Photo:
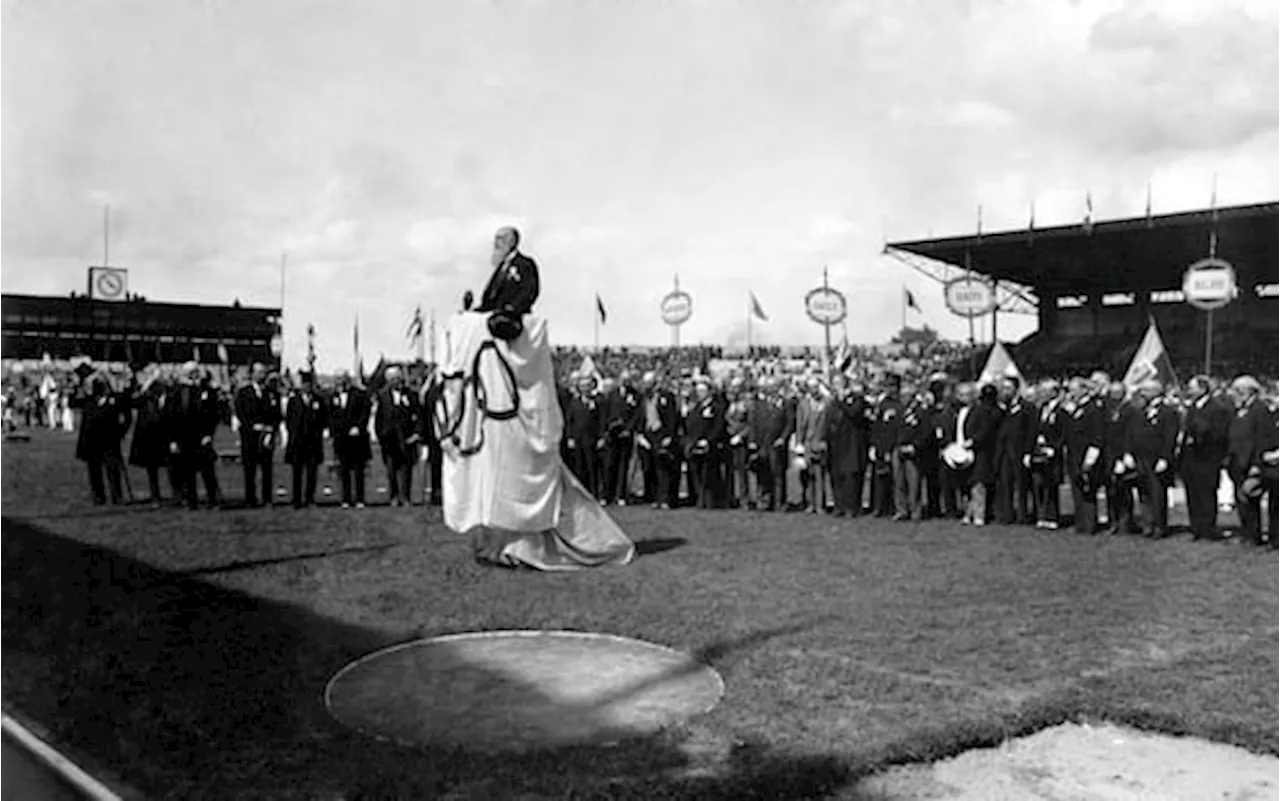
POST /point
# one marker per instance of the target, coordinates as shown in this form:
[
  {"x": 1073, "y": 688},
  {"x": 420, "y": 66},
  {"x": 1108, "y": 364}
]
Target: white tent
[{"x": 999, "y": 365}]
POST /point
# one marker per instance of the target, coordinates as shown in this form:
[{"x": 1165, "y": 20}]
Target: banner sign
[
  {"x": 825, "y": 306},
  {"x": 1209, "y": 284},
  {"x": 108, "y": 283},
  {"x": 677, "y": 307},
  {"x": 967, "y": 296}
]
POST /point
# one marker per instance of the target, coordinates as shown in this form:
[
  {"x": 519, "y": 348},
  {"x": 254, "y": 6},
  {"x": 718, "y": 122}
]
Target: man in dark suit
[
  {"x": 105, "y": 417},
  {"x": 768, "y": 419},
  {"x": 198, "y": 410},
  {"x": 1121, "y": 476},
  {"x": 1251, "y": 457},
  {"x": 258, "y": 412},
  {"x": 1012, "y": 443},
  {"x": 1044, "y": 459},
  {"x": 847, "y": 441},
  {"x": 582, "y": 433},
  {"x": 1082, "y": 431},
  {"x": 1152, "y": 437},
  {"x": 396, "y": 424},
  {"x": 513, "y": 287},
  {"x": 349, "y": 411},
  {"x": 704, "y": 436},
  {"x": 656, "y": 442},
  {"x": 885, "y": 424},
  {"x": 618, "y": 407},
  {"x": 430, "y": 395},
  {"x": 306, "y": 416},
  {"x": 1204, "y": 448}
]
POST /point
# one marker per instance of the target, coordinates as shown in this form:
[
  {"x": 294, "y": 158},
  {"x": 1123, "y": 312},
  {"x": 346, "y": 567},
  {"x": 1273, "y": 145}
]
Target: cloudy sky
[{"x": 742, "y": 144}]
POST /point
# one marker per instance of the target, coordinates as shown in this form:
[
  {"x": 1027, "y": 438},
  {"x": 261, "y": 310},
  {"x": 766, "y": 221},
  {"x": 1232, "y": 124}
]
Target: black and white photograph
[{"x": 871, "y": 400}]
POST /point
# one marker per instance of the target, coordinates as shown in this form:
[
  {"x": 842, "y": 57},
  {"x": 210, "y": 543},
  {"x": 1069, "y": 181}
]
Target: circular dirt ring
[{"x": 520, "y": 690}]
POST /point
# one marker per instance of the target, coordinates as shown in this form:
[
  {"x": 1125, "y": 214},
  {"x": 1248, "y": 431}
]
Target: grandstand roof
[{"x": 1117, "y": 255}]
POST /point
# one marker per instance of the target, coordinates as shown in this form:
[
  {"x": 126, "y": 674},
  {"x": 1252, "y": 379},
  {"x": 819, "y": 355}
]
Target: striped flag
[
  {"x": 604, "y": 316},
  {"x": 757, "y": 310},
  {"x": 414, "y": 332}
]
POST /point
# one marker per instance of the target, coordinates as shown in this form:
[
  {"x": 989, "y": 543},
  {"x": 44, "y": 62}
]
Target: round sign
[
  {"x": 277, "y": 345},
  {"x": 1209, "y": 284},
  {"x": 969, "y": 297},
  {"x": 677, "y": 307},
  {"x": 109, "y": 284},
  {"x": 825, "y": 306}
]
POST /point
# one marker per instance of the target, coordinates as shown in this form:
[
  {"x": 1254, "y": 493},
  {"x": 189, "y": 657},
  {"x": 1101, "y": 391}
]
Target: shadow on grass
[
  {"x": 183, "y": 689},
  {"x": 659, "y": 545}
]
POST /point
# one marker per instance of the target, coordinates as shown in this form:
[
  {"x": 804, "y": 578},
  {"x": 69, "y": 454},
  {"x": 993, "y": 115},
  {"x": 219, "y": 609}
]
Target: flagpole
[
  {"x": 595, "y": 316},
  {"x": 826, "y": 327},
  {"x": 749, "y": 316},
  {"x": 284, "y": 258},
  {"x": 903, "y": 301}
]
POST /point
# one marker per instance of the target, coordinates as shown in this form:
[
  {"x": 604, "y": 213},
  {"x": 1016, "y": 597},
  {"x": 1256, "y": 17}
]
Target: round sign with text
[
  {"x": 109, "y": 284},
  {"x": 969, "y": 297},
  {"x": 825, "y": 306},
  {"x": 1210, "y": 284},
  {"x": 677, "y": 307}
]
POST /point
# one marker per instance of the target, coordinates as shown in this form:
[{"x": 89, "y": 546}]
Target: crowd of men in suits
[
  {"x": 174, "y": 421},
  {"x": 998, "y": 453}
]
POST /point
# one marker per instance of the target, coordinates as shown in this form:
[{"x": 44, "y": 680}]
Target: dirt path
[{"x": 1082, "y": 762}]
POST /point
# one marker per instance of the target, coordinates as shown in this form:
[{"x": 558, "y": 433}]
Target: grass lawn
[{"x": 185, "y": 654}]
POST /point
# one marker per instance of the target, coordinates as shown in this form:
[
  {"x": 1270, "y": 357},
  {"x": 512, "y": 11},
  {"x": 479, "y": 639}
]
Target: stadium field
[{"x": 182, "y": 654}]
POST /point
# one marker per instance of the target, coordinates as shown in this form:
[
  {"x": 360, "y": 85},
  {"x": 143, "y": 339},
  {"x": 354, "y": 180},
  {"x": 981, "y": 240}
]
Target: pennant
[
  {"x": 1088, "y": 211},
  {"x": 414, "y": 332},
  {"x": 1149, "y": 220},
  {"x": 911, "y": 300},
  {"x": 1151, "y": 361},
  {"x": 757, "y": 310},
  {"x": 1031, "y": 223},
  {"x": 999, "y": 365},
  {"x": 604, "y": 317}
]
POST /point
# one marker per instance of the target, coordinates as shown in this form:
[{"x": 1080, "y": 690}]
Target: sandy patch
[{"x": 1075, "y": 761}]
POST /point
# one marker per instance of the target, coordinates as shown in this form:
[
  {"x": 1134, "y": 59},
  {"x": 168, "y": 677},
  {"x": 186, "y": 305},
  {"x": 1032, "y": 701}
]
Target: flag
[
  {"x": 999, "y": 365},
  {"x": 414, "y": 332},
  {"x": 844, "y": 356},
  {"x": 757, "y": 310},
  {"x": 979, "y": 220},
  {"x": 911, "y": 300},
  {"x": 376, "y": 379},
  {"x": 1149, "y": 222},
  {"x": 1151, "y": 361},
  {"x": 604, "y": 317},
  {"x": 1031, "y": 223},
  {"x": 1088, "y": 211}
]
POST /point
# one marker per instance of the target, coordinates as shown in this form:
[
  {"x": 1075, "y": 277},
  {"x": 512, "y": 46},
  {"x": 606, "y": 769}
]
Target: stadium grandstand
[
  {"x": 133, "y": 330},
  {"x": 1095, "y": 286}
]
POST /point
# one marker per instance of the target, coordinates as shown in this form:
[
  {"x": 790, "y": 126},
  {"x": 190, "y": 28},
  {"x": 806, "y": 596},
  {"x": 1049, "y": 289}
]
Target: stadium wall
[{"x": 32, "y": 326}]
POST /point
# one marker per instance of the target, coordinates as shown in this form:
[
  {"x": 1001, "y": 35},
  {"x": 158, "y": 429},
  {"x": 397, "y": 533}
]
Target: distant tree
[{"x": 922, "y": 336}]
